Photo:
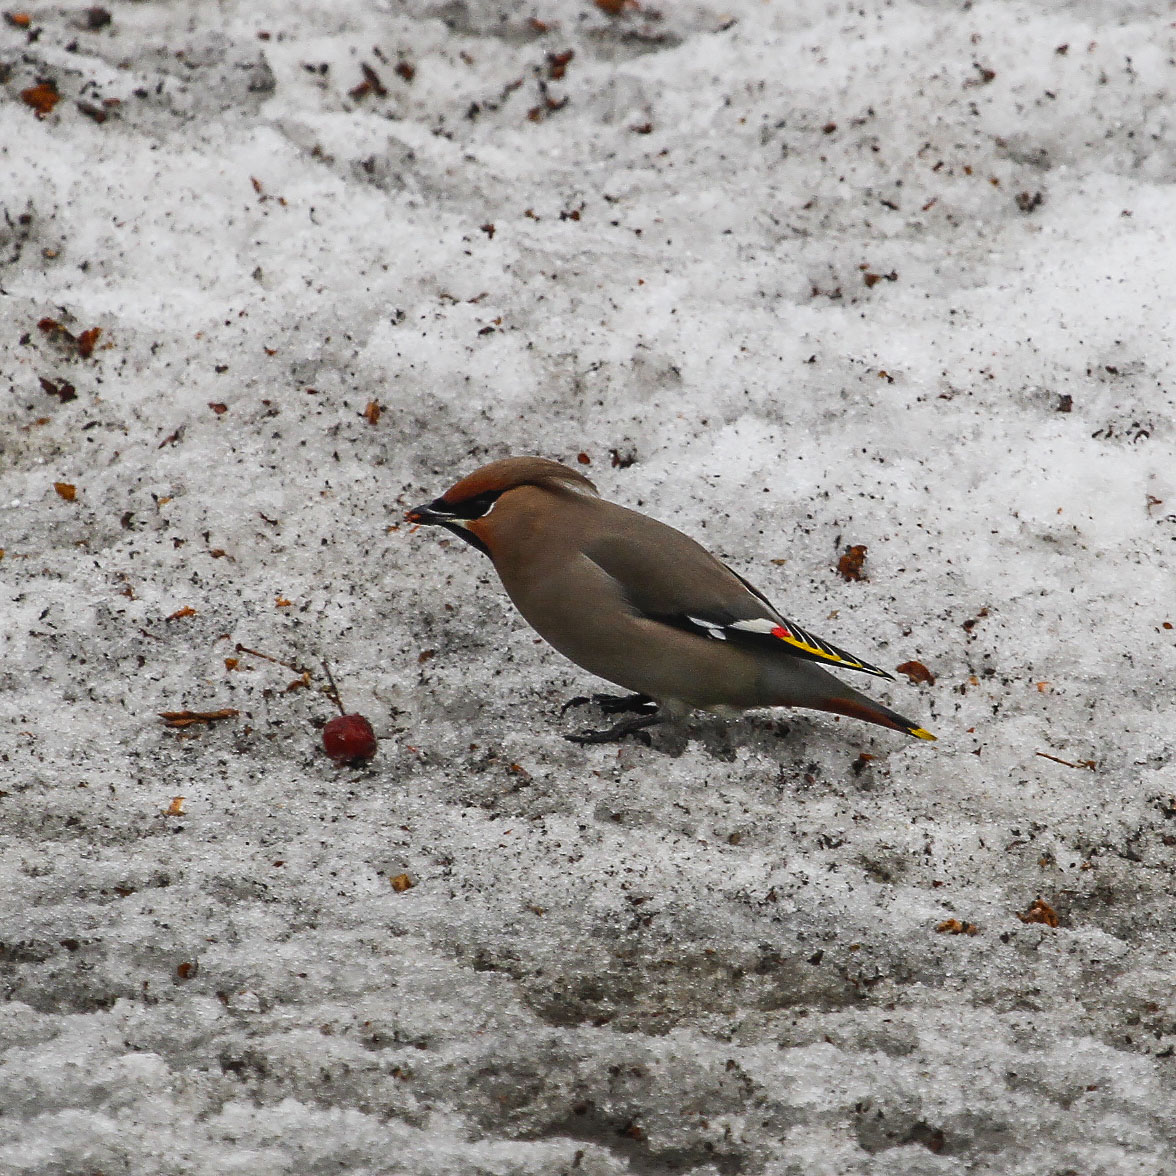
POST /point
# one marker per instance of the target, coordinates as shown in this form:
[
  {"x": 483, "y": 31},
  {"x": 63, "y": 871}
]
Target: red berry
[{"x": 349, "y": 738}]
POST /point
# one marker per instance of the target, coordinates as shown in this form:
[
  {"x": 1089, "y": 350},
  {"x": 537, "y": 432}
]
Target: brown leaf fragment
[
  {"x": 218, "y": 407},
  {"x": 18, "y": 20},
  {"x": 850, "y": 565},
  {"x": 614, "y": 7},
  {"x": 557, "y": 64},
  {"x": 97, "y": 113},
  {"x": 373, "y": 79},
  {"x": 1065, "y": 403},
  {"x": 401, "y": 883},
  {"x": 405, "y": 70},
  {"x": 180, "y": 613},
  {"x": 972, "y": 622},
  {"x": 371, "y": 413},
  {"x": 916, "y": 673},
  {"x": 42, "y": 97},
  {"x": 66, "y": 490},
  {"x": 86, "y": 341},
  {"x": 95, "y": 18},
  {"x": 488, "y": 229},
  {"x": 176, "y": 808},
  {"x": 185, "y": 718},
  {"x": 186, "y": 970},
  {"x": 1039, "y": 912},
  {"x": 371, "y": 83},
  {"x": 63, "y": 390},
  {"x": 955, "y": 927},
  {"x": 50, "y": 326}
]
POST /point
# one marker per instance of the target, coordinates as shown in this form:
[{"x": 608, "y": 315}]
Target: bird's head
[{"x": 466, "y": 506}]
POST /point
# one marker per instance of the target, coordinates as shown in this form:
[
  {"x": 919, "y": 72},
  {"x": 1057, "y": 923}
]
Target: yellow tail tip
[{"x": 920, "y": 733}]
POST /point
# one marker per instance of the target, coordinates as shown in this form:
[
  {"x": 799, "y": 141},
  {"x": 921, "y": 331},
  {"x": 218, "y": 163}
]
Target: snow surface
[{"x": 816, "y": 274}]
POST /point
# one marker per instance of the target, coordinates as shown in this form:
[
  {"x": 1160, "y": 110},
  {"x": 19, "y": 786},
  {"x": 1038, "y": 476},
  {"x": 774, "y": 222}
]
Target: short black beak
[
  {"x": 439, "y": 513},
  {"x": 426, "y": 515}
]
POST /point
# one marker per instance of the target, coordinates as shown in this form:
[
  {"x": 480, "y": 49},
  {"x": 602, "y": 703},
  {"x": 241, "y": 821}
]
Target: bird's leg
[
  {"x": 634, "y": 726},
  {"x": 613, "y": 704}
]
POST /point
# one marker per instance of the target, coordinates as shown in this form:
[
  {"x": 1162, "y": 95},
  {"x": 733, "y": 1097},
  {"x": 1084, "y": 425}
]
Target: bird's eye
[{"x": 474, "y": 508}]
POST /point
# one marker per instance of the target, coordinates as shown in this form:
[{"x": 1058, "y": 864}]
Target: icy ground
[{"x": 791, "y": 276}]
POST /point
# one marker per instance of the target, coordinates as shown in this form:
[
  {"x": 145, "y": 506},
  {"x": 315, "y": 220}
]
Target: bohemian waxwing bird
[{"x": 640, "y": 604}]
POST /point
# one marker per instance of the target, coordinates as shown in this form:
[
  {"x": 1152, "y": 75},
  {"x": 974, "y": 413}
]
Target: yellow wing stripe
[
  {"x": 824, "y": 652},
  {"x": 804, "y": 643}
]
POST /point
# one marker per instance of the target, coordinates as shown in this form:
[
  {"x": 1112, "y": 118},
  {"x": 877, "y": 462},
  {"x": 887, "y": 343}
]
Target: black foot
[
  {"x": 613, "y": 704},
  {"x": 635, "y": 726}
]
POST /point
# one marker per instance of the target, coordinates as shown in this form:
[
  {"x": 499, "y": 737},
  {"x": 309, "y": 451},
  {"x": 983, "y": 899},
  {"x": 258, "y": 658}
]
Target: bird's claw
[
  {"x": 613, "y": 704},
  {"x": 635, "y": 727},
  {"x": 579, "y": 700}
]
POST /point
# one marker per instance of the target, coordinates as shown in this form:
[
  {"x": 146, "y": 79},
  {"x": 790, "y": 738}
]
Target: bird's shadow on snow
[{"x": 789, "y": 736}]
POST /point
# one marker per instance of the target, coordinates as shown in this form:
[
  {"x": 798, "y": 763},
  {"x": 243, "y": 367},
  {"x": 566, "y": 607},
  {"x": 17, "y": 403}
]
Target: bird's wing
[
  {"x": 679, "y": 583},
  {"x": 776, "y": 634}
]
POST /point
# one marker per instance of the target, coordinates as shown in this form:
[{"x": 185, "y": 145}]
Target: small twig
[
  {"x": 276, "y": 660},
  {"x": 1088, "y": 765},
  {"x": 186, "y": 718},
  {"x": 333, "y": 693}
]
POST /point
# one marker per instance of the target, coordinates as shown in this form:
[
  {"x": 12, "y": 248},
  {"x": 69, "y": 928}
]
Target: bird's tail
[
  {"x": 860, "y": 707},
  {"x": 791, "y": 682}
]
